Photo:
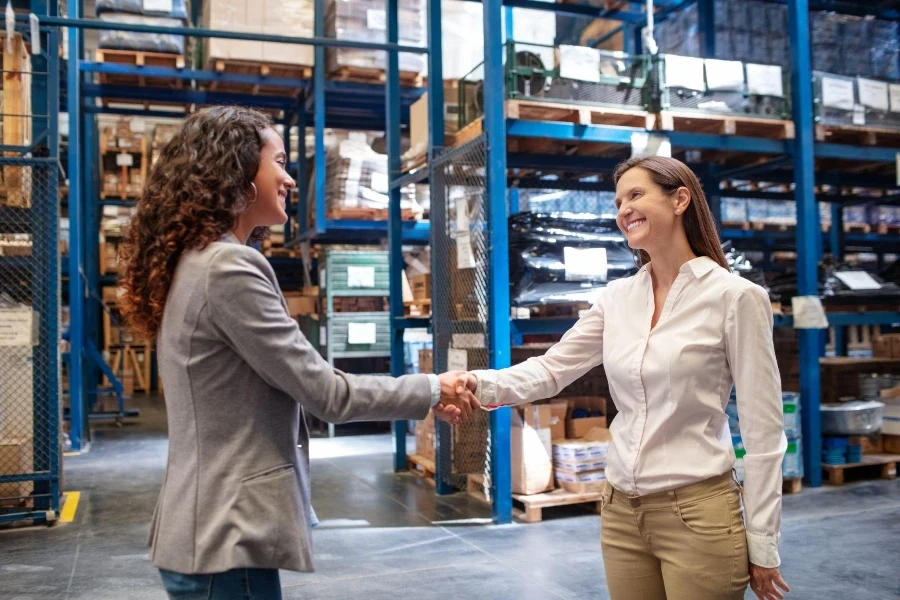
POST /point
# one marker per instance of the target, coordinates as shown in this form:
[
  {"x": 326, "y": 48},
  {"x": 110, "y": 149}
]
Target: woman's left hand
[{"x": 765, "y": 583}]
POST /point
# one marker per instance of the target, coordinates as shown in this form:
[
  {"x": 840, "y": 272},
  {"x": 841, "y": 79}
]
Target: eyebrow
[{"x": 618, "y": 199}]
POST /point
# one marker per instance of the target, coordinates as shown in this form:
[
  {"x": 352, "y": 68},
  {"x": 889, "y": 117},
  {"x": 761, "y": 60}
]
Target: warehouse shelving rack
[
  {"x": 799, "y": 153},
  {"x": 315, "y": 103}
]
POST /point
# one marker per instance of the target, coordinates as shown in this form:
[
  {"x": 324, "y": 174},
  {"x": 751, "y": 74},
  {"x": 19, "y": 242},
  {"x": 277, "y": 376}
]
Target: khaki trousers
[{"x": 685, "y": 544}]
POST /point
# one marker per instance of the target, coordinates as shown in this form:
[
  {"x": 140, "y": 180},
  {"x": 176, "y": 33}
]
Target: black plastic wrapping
[
  {"x": 137, "y": 7},
  {"x": 741, "y": 265},
  {"x": 141, "y": 42},
  {"x": 835, "y": 292},
  {"x": 537, "y": 245}
]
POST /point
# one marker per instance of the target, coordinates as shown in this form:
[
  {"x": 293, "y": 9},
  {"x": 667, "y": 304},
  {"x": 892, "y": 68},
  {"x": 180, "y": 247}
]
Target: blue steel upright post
[
  {"x": 319, "y": 117},
  {"x": 498, "y": 252},
  {"x": 395, "y": 233},
  {"x": 76, "y": 285},
  {"x": 809, "y": 234}
]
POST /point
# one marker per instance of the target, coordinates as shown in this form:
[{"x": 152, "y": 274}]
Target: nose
[{"x": 290, "y": 183}]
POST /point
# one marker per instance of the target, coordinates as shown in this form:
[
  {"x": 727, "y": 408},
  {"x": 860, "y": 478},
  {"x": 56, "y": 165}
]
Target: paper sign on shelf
[
  {"x": 124, "y": 160},
  {"x": 894, "y": 94},
  {"x": 685, "y": 72},
  {"x": 580, "y": 63},
  {"x": 873, "y": 94},
  {"x": 361, "y": 333},
  {"x": 724, "y": 75},
  {"x": 647, "y": 144},
  {"x": 838, "y": 93},
  {"x": 859, "y": 115},
  {"x": 16, "y": 327},
  {"x": 765, "y": 80},
  {"x": 858, "y": 280},
  {"x": 457, "y": 360},
  {"x": 465, "y": 258},
  {"x": 361, "y": 277},
  {"x": 585, "y": 264},
  {"x": 808, "y": 313},
  {"x": 376, "y": 19}
]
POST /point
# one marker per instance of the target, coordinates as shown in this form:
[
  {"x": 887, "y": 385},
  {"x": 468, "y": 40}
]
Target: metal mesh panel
[
  {"x": 460, "y": 263},
  {"x": 29, "y": 333}
]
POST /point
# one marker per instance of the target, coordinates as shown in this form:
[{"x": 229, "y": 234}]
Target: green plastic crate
[
  {"x": 340, "y": 326},
  {"x": 355, "y": 273}
]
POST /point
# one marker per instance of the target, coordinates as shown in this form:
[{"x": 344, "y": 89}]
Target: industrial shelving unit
[{"x": 790, "y": 160}]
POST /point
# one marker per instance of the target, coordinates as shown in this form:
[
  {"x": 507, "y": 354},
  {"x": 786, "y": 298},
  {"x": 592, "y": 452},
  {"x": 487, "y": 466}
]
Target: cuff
[
  {"x": 435, "y": 389},
  {"x": 763, "y": 550}
]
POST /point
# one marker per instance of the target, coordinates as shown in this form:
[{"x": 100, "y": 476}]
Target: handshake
[{"x": 458, "y": 400}]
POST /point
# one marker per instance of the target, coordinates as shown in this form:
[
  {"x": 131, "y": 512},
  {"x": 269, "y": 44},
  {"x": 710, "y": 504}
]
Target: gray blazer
[{"x": 238, "y": 375}]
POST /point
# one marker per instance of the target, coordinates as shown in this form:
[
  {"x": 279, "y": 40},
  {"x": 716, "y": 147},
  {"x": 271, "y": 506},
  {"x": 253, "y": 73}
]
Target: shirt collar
[
  {"x": 230, "y": 238},
  {"x": 699, "y": 266}
]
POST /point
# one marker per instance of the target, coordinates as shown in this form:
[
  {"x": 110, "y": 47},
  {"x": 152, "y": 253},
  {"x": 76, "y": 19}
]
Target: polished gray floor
[{"x": 388, "y": 536}]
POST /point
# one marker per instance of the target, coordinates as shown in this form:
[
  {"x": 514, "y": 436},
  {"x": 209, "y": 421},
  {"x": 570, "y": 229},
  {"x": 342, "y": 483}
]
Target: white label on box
[
  {"x": 379, "y": 182},
  {"x": 838, "y": 93},
  {"x": 858, "y": 280},
  {"x": 16, "y": 327},
  {"x": 376, "y": 19},
  {"x": 361, "y": 333},
  {"x": 457, "y": 360},
  {"x": 580, "y": 63},
  {"x": 124, "y": 160},
  {"x": 724, "y": 75},
  {"x": 158, "y": 6},
  {"x": 685, "y": 72},
  {"x": 585, "y": 264},
  {"x": 646, "y": 144},
  {"x": 465, "y": 258},
  {"x": 894, "y": 93},
  {"x": 859, "y": 114},
  {"x": 765, "y": 80},
  {"x": 361, "y": 277},
  {"x": 873, "y": 94},
  {"x": 808, "y": 313}
]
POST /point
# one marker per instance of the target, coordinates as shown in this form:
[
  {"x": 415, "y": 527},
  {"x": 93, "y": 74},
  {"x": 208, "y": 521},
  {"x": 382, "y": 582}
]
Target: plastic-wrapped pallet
[
  {"x": 142, "y": 42},
  {"x": 172, "y": 9},
  {"x": 357, "y": 178},
  {"x": 365, "y": 21}
]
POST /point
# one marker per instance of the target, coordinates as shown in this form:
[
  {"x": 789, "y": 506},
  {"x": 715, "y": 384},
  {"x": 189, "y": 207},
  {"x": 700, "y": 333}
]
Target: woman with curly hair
[{"x": 235, "y": 504}]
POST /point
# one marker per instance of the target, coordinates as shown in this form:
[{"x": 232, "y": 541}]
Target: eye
[{"x": 635, "y": 194}]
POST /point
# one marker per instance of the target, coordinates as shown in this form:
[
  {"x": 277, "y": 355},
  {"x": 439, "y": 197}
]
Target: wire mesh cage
[
  {"x": 561, "y": 74},
  {"x": 29, "y": 333},
  {"x": 719, "y": 87},
  {"x": 460, "y": 312}
]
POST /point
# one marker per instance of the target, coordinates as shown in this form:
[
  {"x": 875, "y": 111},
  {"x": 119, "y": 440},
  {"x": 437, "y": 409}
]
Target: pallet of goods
[
  {"x": 15, "y": 186},
  {"x": 124, "y": 160},
  {"x": 262, "y": 59},
  {"x": 365, "y": 21}
]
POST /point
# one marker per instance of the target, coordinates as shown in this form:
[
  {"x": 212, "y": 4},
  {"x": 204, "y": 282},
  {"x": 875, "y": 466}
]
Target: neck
[
  {"x": 667, "y": 264},
  {"x": 242, "y": 231}
]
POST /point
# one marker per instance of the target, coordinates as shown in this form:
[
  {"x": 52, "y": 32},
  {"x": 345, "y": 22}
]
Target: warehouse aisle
[{"x": 386, "y": 536}]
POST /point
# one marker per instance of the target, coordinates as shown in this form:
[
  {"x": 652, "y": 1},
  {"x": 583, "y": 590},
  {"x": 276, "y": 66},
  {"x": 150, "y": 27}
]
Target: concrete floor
[{"x": 388, "y": 536}]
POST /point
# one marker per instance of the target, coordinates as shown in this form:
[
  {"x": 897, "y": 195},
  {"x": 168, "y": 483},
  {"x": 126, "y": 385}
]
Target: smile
[{"x": 635, "y": 224}]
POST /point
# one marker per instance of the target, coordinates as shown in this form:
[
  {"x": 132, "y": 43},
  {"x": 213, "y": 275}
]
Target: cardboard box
[
  {"x": 16, "y": 458},
  {"x": 426, "y": 361},
  {"x": 425, "y": 437},
  {"x": 558, "y": 411},
  {"x": 299, "y": 305},
  {"x": 595, "y": 407},
  {"x": 882, "y": 347},
  {"x": 16, "y": 392},
  {"x": 581, "y": 483},
  {"x": 421, "y": 286},
  {"x": 891, "y": 444},
  {"x": 578, "y": 428}
]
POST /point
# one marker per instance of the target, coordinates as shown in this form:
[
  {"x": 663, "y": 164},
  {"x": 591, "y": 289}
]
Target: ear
[{"x": 682, "y": 200}]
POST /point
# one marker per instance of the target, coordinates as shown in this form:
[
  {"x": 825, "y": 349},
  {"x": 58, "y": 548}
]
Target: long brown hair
[
  {"x": 193, "y": 196},
  {"x": 671, "y": 174}
]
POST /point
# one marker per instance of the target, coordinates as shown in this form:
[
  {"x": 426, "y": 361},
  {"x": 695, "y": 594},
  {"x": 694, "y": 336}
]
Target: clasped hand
[{"x": 458, "y": 401}]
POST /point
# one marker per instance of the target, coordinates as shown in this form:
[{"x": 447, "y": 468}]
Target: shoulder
[
  {"x": 224, "y": 260},
  {"x": 739, "y": 293}
]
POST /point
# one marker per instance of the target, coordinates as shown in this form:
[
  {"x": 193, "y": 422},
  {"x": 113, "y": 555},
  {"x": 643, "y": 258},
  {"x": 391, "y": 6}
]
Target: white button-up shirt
[{"x": 671, "y": 384}]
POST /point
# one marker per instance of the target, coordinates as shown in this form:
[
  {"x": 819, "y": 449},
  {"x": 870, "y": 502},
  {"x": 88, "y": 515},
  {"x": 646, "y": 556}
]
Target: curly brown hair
[{"x": 193, "y": 196}]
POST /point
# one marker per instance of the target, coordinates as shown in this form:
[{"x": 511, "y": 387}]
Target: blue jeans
[{"x": 236, "y": 584}]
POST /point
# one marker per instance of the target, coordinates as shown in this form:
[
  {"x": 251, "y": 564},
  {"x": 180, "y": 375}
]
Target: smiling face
[
  {"x": 648, "y": 216},
  {"x": 272, "y": 182}
]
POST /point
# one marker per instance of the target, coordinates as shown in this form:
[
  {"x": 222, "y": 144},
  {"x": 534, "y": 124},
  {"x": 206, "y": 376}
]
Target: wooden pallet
[
  {"x": 698, "y": 122},
  {"x": 857, "y": 228},
  {"x": 367, "y": 214},
  {"x": 414, "y": 163},
  {"x": 793, "y": 485},
  {"x": 858, "y": 135},
  {"x": 887, "y": 229},
  {"x": 417, "y": 308},
  {"x": 260, "y": 69},
  {"x": 140, "y": 59},
  {"x": 373, "y": 75},
  {"x": 886, "y": 464},
  {"x": 536, "y": 503},
  {"x": 421, "y": 466}
]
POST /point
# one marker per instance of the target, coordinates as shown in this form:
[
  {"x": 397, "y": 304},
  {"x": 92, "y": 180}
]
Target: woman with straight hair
[
  {"x": 235, "y": 504},
  {"x": 674, "y": 339}
]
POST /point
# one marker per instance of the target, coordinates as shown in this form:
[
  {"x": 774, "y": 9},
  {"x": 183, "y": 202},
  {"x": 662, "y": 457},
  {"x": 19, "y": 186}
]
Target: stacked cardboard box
[
  {"x": 16, "y": 188},
  {"x": 886, "y": 346},
  {"x": 259, "y": 16},
  {"x": 16, "y": 416},
  {"x": 425, "y": 437},
  {"x": 580, "y": 464}
]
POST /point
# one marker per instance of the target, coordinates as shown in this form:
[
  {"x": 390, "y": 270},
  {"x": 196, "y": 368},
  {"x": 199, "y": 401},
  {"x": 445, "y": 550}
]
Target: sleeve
[
  {"x": 751, "y": 357},
  {"x": 580, "y": 350},
  {"x": 435, "y": 389},
  {"x": 245, "y": 307}
]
